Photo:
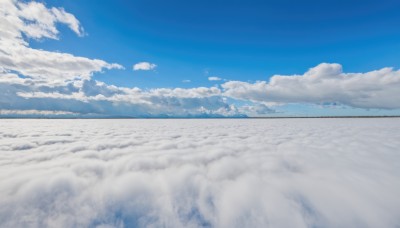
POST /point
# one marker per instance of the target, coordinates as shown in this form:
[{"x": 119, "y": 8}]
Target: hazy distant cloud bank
[
  {"x": 214, "y": 78},
  {"x": 200, "y": 173},
  {"x": 43, "y": 83}
]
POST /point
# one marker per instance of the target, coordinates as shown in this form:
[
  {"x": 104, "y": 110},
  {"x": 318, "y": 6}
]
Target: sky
[{"x": 199, "y": 58}]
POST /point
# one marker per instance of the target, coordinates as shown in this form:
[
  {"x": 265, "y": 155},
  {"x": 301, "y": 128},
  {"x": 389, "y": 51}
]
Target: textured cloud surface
[{"x": 200, "y": 173}]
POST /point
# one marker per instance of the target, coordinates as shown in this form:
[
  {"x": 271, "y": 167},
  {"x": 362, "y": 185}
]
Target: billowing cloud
[
  {"x": 325, "y": 83},
  {"x": 35, "y": 20},
  {"x": 200, "y": 173},
  {"x": 144, "y": 66},
  {"x": 214, "y": 78}
]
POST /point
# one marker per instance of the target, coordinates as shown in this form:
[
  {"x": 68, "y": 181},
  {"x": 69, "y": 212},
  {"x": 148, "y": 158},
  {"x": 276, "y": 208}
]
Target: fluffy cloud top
[
  {"x": 144, "y": 66},
  {"x": 200, "y": 173},
  {"x": 325, "y": 83}
]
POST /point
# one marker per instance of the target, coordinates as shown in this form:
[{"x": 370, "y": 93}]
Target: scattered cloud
[
  {"x": 144, "y": 66},
  {"x": 199, "y": 173},
  {"x": 186, "y": 81},
  {"x": 214, "y": 78}
]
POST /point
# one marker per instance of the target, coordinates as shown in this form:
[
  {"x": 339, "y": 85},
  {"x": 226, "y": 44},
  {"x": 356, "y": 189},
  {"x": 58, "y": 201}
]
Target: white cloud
[
  {"x": 186, "y": 81},
  {"x": 214, "y": 79},
  {"x": 144, "y": 66},
  {"x": 35, "y": 20},
  {"x": 325, "y": 83},
  {"x": 44, "y": 20},
  {"x": 196, "y": 173}
]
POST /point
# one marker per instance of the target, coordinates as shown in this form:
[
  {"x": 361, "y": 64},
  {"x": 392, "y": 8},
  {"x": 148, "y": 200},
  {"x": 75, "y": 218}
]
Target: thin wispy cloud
[{"x": 214, "y": 78}]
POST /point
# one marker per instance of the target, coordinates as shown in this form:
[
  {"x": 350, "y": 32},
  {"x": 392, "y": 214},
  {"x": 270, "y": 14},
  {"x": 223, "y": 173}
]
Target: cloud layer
[{"x": 200, "y": 173}]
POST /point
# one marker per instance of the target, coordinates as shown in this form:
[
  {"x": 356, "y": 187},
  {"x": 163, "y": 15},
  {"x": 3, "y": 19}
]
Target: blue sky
[
  {"x": 246, "y": 41},
  {"x": 238, "y": 40}
]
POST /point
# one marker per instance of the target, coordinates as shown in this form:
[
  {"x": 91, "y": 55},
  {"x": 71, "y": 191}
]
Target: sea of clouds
[{"x": 200, "y": 173}]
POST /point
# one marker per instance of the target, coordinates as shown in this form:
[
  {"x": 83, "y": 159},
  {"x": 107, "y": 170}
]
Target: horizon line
[{"x": 272, "y": 117}]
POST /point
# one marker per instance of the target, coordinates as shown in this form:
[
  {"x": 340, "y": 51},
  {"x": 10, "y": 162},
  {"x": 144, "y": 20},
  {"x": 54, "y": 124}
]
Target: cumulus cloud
[
  {"x": 35, "y": 20},
  {"x": 200, "y": 173},
  {"x": 325, "y": 83},
  {"x": 214, "y": 78},
  {"x": 144, "y": 66}
]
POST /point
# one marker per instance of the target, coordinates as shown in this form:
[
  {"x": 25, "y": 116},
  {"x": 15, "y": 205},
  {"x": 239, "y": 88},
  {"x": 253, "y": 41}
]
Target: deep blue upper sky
[{"x": 236, "y": 40}]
